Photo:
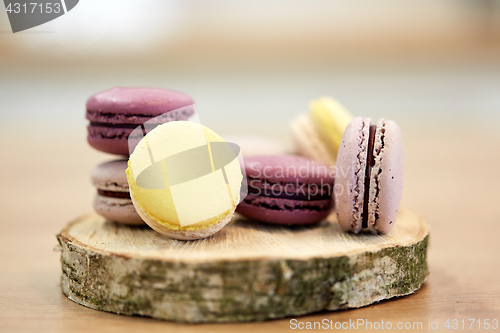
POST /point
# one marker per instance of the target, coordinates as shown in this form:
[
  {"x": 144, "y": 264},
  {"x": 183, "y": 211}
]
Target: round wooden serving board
[{"x": 247, "y": 271}]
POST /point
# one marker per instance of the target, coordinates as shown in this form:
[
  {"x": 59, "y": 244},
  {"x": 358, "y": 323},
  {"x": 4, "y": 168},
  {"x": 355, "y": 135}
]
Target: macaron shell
[
  {"x": 307, "y": 141},
  {"x": 386, "y": 183},
  {"x": 116, "y": 140},
  {"x": 117, "y": 209},
  {"x": 180, "y": 233},
  {"x": 330, "y": 119},
  {"x": 288, "y": 168},
  {"x": 350, "y": 174},
  {"x": 283, "y": 211},
  {"x": 291, "y": 191},
  {"x": 137, "y": 102},
  {"x": 109, "y": 145},
  {"x": 113, "y": 114},
  {"x": 196, "y": 203},
  {"x": 287, "y": 189},
  {"x": 110, "y": 176}
]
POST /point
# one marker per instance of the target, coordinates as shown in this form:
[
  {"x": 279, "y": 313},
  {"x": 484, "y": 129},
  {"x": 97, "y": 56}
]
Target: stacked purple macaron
[{"x": 113, "y": 116}]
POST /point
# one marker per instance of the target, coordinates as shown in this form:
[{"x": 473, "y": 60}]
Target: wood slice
[{"x": 247, "y": 271}]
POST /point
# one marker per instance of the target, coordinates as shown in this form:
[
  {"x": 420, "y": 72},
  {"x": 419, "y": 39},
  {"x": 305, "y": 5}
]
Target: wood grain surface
[
  {"x": 241, "y": 240},
  {"x": 451, "y": 178},
  {"x": 249, "y": 271}
]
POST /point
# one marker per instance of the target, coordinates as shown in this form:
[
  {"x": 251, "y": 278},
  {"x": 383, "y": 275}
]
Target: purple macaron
[
  {"x": 115, "y": 113},
  {"x": 369, "y": 176},
  {"x": 112, "y": 199},
  {"x": 287, "y": 189}
]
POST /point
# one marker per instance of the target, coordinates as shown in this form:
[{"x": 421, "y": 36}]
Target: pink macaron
[
  {"x": 112, "y": 199},
  {"x": 115, "y": 113},
  {"x": 369, "y": 176}
]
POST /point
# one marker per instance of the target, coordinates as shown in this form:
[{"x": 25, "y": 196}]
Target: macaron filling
[
  {"x": 371, "y": 157},
  {"x": 280, "y": 204},
  {"x": 92, "y": 123},
  {"x": 114, "y": 194},
  {"x": 114, "y": 114},
  {"x": 287, "y": 189},
  {"x": 370, "y": 162},
  {"x": 133, "y": 120}
]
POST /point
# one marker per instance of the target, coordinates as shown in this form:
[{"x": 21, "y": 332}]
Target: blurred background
[
  {"x": 256, "y": 64},
  {"x": 431, "y": 65}
]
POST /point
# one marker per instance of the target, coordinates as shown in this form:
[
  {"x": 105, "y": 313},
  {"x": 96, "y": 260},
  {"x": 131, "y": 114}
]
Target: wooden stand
[{"x": 247, "y": 271}]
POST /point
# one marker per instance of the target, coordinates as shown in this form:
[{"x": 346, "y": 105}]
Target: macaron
[
  {"x": 184, "y": 180},
  {"x": 112, "y": 199},
  {"x": 317, "y": 134},
  {"x": 115, "y": 113},
  {"x": 369, "y": 176},
  {"x": 287, "y": 189}
]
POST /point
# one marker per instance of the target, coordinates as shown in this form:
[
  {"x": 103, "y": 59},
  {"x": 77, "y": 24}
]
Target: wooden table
[{"x": 451, "y": 178}]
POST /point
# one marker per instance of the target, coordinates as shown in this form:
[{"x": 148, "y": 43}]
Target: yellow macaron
[
  {"x": 318, "y": 134},
  {"x": 184, "y": 180}
]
